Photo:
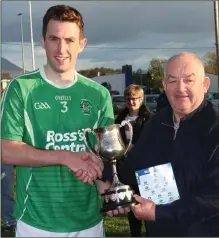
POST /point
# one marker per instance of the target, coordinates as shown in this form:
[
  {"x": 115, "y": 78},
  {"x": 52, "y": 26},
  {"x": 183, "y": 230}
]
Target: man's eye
[
  {"x": 189, "y": 81},
  {"x": 70, "y": 41},
  {"x": 53, "y": 39},
  {"x": 172, "y": 81}
]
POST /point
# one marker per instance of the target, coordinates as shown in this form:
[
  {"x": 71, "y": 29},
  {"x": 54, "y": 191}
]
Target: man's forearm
[{"x": 20, "y": 153}]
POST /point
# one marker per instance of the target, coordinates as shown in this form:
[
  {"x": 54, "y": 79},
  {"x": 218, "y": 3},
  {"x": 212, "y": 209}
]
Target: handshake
[
  {"x": 118, "y": 198},
  {"x": 85, "y": 166}
]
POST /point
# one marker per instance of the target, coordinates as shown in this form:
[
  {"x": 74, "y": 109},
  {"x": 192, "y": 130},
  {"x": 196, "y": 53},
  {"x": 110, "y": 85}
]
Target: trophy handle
[
  {"x": 123, "y": 123},
  {"x": 88, "y": 130}
]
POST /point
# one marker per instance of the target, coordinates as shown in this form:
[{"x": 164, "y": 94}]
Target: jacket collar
[
  {"x": 195, "y": 112},
  {"x": 168, "y": 119}
]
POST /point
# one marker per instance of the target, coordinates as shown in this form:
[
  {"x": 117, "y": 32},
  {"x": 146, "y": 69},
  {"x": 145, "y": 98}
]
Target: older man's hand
[
  {"x": 119, "y": 211},
  {"x": 145, "y": 209}
]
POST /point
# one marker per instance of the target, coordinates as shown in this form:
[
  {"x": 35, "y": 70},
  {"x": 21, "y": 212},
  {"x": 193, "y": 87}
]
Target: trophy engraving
[{"x": 110, "y": 147}]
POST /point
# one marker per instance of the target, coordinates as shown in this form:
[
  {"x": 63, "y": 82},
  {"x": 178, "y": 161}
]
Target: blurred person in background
[
  {"x": 7, "y": 194},
  {"x": 7, "y": 197},
  {"x": 137, "y": 114},
  {"x": 107, "y": 85}
]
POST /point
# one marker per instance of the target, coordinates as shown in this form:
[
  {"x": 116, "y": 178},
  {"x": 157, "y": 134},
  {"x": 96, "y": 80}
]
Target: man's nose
[
  {"x": 61, "y": 47},
  {"x": 181, "y": 87}
]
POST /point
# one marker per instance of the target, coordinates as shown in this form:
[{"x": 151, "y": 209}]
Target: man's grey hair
[{"x": 183, "y": 54}]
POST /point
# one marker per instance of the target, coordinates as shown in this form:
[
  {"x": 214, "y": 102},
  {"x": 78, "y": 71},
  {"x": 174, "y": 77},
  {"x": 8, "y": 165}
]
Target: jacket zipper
[{"x": 175, "y": 127}]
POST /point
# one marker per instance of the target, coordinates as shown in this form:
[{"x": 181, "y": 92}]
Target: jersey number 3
[{"x": 64, "y": 106}]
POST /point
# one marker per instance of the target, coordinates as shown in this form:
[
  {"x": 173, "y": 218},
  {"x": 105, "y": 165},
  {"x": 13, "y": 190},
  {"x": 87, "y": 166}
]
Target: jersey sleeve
[
  {"x": 12, "y": 113},
  {"x": 107, "y": 115}
]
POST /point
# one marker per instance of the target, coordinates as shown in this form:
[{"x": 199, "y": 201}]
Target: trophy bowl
[{"x": 110, "y": 148}]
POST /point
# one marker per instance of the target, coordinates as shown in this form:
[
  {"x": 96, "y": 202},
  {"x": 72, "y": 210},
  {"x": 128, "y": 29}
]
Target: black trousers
[{"x": 134, "y": 224}]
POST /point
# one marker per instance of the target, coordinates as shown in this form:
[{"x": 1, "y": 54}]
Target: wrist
[{"x": 63, "y": 157}]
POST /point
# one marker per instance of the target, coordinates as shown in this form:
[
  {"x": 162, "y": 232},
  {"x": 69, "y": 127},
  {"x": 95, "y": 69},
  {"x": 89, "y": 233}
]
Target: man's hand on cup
[
  {"x": 145, "y": 209},
  {"x": 119, "y": 211}
]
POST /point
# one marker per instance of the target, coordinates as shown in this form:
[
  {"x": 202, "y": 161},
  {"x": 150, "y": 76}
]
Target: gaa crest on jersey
[{"x": 85, "y": 106}]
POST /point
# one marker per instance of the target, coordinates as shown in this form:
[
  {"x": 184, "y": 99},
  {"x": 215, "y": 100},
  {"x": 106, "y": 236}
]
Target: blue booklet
[{"x": 158, "y": 184}]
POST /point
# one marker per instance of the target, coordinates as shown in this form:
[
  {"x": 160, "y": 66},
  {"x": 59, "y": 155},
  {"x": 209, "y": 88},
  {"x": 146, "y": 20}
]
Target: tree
[
  {"x": 210, "y": 62},
  {"x": 6, "y": 75},
  {"x": 156, "y": 72},
  {"x": 137, "y": 77}
]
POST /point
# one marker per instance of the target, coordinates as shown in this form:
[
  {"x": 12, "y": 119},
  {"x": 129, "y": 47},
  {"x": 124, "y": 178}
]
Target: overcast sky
[{"x": 116, "y": 24}]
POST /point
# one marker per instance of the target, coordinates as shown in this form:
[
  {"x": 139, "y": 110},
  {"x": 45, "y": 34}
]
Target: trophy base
[{"x": 118, "y": 197}]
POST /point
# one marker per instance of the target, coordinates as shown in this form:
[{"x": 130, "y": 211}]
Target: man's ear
[
  {"x": 164, "y": 83},
  {"x": 206, "y": 84},
  {"x": 42, "y": 41},
  {"x": 83, "y": 43}
]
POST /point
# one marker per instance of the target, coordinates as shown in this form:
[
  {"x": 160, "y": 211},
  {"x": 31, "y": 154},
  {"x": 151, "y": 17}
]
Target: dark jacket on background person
[
  {"x": 193, "y": 151},
  {"x": 137, "y": 125},
  {"x": 162, "y": 102}
]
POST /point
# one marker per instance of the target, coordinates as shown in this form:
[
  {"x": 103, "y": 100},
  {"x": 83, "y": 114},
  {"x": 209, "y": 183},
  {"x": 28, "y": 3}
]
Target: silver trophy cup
[{"x": 110, "y": 147}]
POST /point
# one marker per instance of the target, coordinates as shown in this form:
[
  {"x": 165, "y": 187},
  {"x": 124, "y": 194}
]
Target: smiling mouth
[
  {"x": 61, "y": 58},
  {"x": 181, "y": 97}
]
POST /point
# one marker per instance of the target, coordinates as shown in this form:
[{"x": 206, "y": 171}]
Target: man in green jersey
[{"x": 43, "y": 116}]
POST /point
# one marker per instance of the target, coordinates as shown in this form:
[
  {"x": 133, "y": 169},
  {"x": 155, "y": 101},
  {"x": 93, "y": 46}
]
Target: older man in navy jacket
[{"x": 187, "y": 135}]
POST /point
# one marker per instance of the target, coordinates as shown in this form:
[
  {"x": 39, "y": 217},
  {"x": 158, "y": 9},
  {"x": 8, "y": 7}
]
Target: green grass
[
  {"x": 119, "y": 227},
  {"x": 116, "y": 226},
  {"x": 7, "y": 234}
]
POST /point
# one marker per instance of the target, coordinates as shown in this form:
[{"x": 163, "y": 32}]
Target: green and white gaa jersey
[{"x": 46, "y": 116}]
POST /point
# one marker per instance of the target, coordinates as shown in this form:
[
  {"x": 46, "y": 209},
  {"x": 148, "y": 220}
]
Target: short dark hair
[
  {"x": 63, "y": 13},
  {"x": 107, "y": 85}
]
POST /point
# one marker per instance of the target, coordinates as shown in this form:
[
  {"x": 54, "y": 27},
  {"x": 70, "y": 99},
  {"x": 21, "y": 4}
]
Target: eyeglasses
[{"x": 132, "y": 99}]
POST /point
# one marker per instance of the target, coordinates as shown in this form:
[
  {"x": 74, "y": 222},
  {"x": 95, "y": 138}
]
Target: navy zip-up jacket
[{"x": 193, "y": 151}]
